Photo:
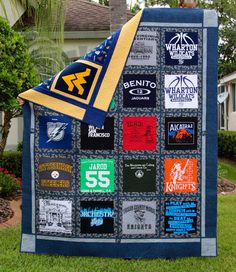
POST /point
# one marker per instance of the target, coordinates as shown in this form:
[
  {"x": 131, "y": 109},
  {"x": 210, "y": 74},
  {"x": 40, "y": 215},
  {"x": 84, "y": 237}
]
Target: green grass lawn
[
  {"x": 11, "y": 260},
  {"x": 227, "y": 169}
]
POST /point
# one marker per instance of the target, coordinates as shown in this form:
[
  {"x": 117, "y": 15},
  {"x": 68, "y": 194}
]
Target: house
[
  {"x": 87, "y": 24},
  {"x": 227, "y": 102}
]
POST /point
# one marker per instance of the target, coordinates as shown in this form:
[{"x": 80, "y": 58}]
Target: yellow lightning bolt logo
[{"x": 76, "y": 80}]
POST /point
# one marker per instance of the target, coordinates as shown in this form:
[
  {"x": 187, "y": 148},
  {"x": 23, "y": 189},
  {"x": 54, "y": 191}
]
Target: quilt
[{"x": 120, "y": 148}]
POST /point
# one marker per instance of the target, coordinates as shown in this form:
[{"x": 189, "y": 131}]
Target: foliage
[
  {"x": 47, "y": 38},
  {"x": 227, "y": 47},
  {"x": 227, "y": 144},
  {"x": 104, "y": 2},
  {"x": 16, "y": 70},
  {"x": 48, "y": 16},
  {"x": 19, "y": 146},
  {"x": 135, "y": 8},
  {"x": 13, "y": 261},
  {"x": 46, "y": 56},
  {"x": 8, "y": 183},
  {"x": 17, "y": 74},
  {"x": 12, "y": 160},
  {"x": 171, "y": 3},
  {"x": 45, "y": 35}
]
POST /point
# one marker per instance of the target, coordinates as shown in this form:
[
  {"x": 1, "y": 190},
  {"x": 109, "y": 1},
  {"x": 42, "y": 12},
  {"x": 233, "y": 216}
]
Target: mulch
[
  {"x": 225, "y": 186},
  {"x": 5, "y": 210}
]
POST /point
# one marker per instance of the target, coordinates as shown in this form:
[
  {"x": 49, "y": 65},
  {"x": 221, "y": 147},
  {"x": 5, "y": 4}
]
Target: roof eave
[{"x": 228, "y": 78}]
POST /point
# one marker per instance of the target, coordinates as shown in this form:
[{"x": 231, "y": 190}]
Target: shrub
[
  {"x": 9, "y": 185},
  {"x": 20, "y": 147},
  {"x": 227, "y": 144},
  {"x": 12, "y": 160}
]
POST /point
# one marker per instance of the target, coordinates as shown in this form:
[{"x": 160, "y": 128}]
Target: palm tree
[
  {"x": 45, "y": 39},
  {"x": 45, "y": 43},
  {"x": 46, "y": 56}
]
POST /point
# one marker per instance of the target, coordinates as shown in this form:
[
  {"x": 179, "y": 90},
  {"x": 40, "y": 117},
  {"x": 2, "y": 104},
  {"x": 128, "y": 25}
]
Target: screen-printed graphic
[
  {"x": 181, "y": 91},
  {"x": 139, "y": 91},
  {"x": 139, "y": 175},
  {"x": 55, "y": 173},
  {"x": 55, "y": 216},
  {"x": 180, "y": 217},
  {"x": 97, "y": 175},
  {"x": 94, "y": 138},
  {"x": 138, "y": 217},
  {"x": 139, "y": 133},
  {"x": 180, "y": 133},
  {"x": 181, "y": 175},
  {"x": 181, "y": 48},
  {"x": 97, "y": 217},
  {"x": 55, "y": 132},
  {"x": 143, "y": 51}
]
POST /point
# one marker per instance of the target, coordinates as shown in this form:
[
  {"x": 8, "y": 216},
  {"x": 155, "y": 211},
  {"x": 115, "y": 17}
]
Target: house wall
[
  {"x": 77, "y": 48},
  {"x": 16, "y": 132},
  {"x": 232, "y": 121},
  {"x": 231, "y": 107},
  {"x": 229, "y": 85}
]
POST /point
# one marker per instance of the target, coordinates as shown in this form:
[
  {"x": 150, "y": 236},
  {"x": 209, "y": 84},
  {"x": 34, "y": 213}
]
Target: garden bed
[
  {"x": 5, "y": 210},
  {"x": 225, "y": 186}
]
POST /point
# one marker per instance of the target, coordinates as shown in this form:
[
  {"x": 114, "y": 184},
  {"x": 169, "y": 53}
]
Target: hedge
[
  {"x": 12, "y": 161},
  {"x": 227, "y": 144}
]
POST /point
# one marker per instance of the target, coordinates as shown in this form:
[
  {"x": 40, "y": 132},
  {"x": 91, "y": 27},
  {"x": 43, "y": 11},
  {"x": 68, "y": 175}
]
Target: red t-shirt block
[{"x": 139, "y": 133}]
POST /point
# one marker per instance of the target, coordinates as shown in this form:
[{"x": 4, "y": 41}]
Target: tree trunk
[
  {"x": 5, "y": 130},
  {"x": 118, "y": 14}
]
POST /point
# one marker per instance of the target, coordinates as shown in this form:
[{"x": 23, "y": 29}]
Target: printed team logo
[
  {"x": 55, "y": 174},
  {"x": 77, "y": 81},
  {"x": 180, "y": 217},
  {"x": 180, "y": 133},
  {"x": 97, "y": 217},
  {"x": 181, "y": 91},
  {"x": 55, "y": 132},
  {"x": 143, "y": 51},
  {"x": 139, "y": 175},
  {"x": 139, "y": 217},
  {"x": 181, "y": 176},
  {"x": 139, "y": 133},
  {"x": 97, "y": 175},
  {"x": 95, "y": 138},
  {"x": 139, "y": 91},
  {"x": 181, "y": 48},
  {"x": 55, "y": 216}
]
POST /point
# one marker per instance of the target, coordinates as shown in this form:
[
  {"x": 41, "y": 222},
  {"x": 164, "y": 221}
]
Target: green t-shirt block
[{"x": 97, "y": 175}]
